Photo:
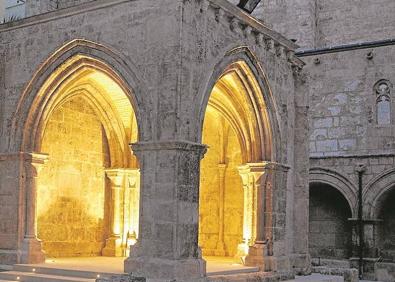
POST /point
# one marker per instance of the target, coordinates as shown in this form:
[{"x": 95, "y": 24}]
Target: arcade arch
[
  {"x": 83, "y": 193},
  {"x": 234, "y": 171}
]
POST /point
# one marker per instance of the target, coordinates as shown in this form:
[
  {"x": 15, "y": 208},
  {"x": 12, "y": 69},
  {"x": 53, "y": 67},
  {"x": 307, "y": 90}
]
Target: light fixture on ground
[{"x": 248, "y": 5}]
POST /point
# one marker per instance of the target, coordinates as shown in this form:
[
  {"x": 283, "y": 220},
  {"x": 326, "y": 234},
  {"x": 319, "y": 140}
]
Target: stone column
[
  {"x": 167, "y": 247},
  {"x": 220, "y": 250},
  {"x": 270, "y": 188},
  {"x": 132, "y": 194},
  {"x": 113, "y": 246},
  {"x": 249, "y": 216},
  {"x": 256, "y": 252},
  {"x": 31, "y": 247}
]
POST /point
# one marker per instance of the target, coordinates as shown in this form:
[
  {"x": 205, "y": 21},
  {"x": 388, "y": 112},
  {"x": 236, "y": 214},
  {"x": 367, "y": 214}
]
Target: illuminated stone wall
[
  {"x": 210, "y": 191},
  {"x": 71, "y": 191}
]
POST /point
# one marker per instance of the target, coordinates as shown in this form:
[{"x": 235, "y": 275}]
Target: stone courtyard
[{"x": 199, "y": 140}]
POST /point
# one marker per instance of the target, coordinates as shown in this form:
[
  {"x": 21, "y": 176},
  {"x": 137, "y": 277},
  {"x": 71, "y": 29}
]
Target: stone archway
[
  {"x": 239, "y": 175},
  {"x": 385, "y": 231},
  {"x": 321, "y": 175},
  {"x": 99, "y": 121},
  {"x": 378, "y": 197},
  {"x": 330, "y": 232}
]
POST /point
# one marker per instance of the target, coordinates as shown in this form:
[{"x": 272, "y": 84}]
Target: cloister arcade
[{"x": 158, "y": 146}]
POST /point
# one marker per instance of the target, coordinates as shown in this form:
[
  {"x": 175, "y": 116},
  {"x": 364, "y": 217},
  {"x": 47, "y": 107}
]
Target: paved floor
[
  {"x": 215, "y": 265},
  {"x": 321, "y": 278}
]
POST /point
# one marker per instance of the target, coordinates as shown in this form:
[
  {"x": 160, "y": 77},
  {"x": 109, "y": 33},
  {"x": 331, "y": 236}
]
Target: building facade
[
  {"x": 158, "y": 131},
  {"x": 171, "y": 77},
  {"x": 349, "y": 51}
]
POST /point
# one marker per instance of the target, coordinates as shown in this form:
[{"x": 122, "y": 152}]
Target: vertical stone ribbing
[{"x": 31, "y": 247}]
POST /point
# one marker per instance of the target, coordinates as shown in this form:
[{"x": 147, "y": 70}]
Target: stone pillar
[
  {"x": 167, "y": 247},
  {"x": 131, "y": 207},
  {"x": 125, "y": 185},
  {"x": 113, "y": 246},
  {"x": 268, "y": 250},
  {"x": 31, "y": 247},
  {"x": 220, "y": 250},
  {"x": 256, "y": 252},
  {"x": 249, "y": 216}
]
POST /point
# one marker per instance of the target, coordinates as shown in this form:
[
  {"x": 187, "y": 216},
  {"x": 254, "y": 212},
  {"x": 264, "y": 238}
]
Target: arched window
[{"x": 383, "y": 102}]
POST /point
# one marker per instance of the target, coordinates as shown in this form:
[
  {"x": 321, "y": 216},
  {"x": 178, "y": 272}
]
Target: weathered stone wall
[
  {"x": 295, "y": 19},
  {"x": 329, "y": 230},
  {"x": 343, "y": 102},
  {"x": 320, "y": 23},
  {"x": 35, "y": 7},
  {"x": 9, "y": 206},
  {"x": 71, "y": 191}
]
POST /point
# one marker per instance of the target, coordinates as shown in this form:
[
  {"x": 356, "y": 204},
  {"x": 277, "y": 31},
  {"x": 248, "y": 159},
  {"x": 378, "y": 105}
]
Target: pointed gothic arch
[{"x": 81, "y": 69}]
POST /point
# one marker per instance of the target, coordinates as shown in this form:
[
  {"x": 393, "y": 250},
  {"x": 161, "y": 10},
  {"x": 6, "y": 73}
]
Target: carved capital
[
  {"x": 34, "y": 162},
  {"x": 133, "y": 178},
  {"x": 116, "y": 176},
  {"x": 360, "y": 168}
]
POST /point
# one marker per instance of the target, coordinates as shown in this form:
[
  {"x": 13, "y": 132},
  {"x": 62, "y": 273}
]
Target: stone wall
[
  {"x": 343, "y": 102},
  {"x": 71, "y": 191},
  {"x": 320, "y": 23},
  {"x": 35, "y": 7}
]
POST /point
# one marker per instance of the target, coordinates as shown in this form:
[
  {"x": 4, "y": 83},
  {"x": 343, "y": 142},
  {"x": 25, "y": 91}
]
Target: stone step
[
  {"x": 37, "y": 277},
  {"x": 258, "y": 277},
  {"x": 61, "y": 271}
]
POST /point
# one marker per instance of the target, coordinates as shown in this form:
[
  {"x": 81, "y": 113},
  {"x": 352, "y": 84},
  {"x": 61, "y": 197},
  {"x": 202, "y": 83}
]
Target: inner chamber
[
  {"x": 87, "y": 198},
  {"x": 231, "y": 130}
]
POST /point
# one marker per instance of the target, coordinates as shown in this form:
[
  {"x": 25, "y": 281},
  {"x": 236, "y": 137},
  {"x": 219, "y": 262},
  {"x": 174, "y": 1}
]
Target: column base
[
  {"x": 301, "y": 264},
  {"x": 242, "y": 252},
  {"x": 155, "y": 269},
  {"x": 32, "y": 252},
  {"x": 113, "y": 248},
  {"x": 258, "y": 257}
]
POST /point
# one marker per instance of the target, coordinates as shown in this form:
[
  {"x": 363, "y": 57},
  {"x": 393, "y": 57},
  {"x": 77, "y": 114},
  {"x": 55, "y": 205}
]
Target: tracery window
[{"x": 383, "y": 102}]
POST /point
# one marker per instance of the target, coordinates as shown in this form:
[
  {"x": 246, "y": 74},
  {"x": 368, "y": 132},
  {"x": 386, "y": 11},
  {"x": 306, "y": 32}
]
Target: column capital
[
  {"x": 117, "y": 175},
  {"x": 171, "y": 145},
  {"x": 34, "y": 162}
]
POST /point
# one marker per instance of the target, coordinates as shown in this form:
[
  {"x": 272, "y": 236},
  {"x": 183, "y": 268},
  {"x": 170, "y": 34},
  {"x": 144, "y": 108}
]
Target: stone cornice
[
  {"x": 251, "y": 23},
  {"x": 33, "y": 157},
  {"x": 61, "y": 13},
  {"x": 389, "y": 153},
  {"x": 265, "y": 165}
]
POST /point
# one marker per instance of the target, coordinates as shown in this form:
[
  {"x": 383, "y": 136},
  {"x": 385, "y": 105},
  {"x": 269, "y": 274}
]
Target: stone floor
[{"x": 215, "y": 265}]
